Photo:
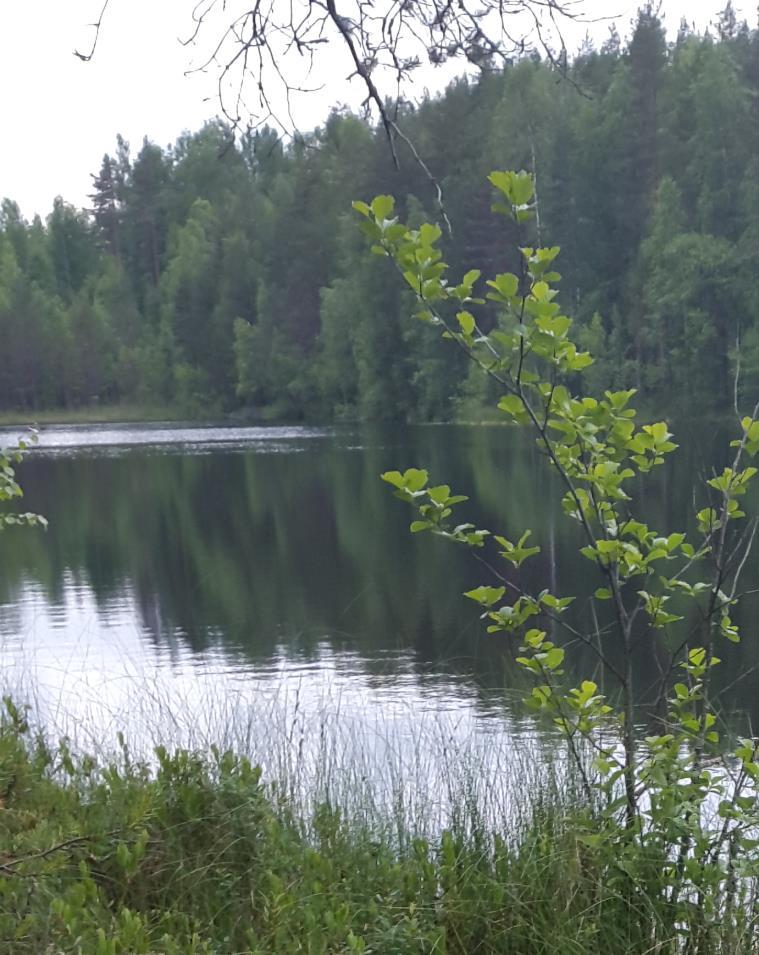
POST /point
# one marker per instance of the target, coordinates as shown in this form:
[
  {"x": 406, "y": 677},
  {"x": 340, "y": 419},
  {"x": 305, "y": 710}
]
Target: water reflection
[
  {"x": 207, "y": 582},
  {"x": 320, "y": 722}
]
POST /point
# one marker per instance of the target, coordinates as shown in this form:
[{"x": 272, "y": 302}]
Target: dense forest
[{"x": 228, "y": 273}]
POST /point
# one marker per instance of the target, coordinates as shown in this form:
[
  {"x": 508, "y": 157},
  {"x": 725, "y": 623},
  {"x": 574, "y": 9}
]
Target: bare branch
[
  {"x": 264, "y": 52},
  {"x": 86, "y": 57}
]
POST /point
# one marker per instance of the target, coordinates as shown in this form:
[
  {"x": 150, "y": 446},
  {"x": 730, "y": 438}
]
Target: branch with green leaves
[
  {"x": 10, "y": 489},
  {"x": 512, "y": 327}
]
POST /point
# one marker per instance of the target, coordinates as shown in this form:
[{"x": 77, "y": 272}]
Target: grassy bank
[
  {"x": 143, "y": 414},
  {"x": 90, "y": 414},
  {"x": 197, "y": 854}
]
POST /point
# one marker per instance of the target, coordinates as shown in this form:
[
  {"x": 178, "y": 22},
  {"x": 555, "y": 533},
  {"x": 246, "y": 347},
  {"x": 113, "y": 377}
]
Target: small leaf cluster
[
  {"x": 434, "y": 504},
  {"x": 10, "y": 489}
]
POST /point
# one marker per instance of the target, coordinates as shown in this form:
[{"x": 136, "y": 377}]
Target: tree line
[{"x": 226, "y": 273}]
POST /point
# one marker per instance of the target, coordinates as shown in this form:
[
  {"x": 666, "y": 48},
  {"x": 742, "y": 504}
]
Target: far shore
[
  {"x": 147, "y": 414},
  {"x": 89, "y": 414}
]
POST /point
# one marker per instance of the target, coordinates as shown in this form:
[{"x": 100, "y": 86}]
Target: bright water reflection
[{"x": 169, "y": 437}]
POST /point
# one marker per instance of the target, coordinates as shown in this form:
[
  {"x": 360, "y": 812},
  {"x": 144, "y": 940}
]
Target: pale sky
[{"x": 59, "y": 115}]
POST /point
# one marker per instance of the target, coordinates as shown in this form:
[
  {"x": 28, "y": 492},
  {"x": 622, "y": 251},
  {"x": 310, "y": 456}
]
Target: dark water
[{"x": 213, "y": 583}]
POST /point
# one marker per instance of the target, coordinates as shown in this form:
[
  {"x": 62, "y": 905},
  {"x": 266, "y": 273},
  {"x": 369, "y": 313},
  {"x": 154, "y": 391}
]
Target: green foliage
[
  {"x": 10, "y": 489},
  {"x": 198, "y": 855},
  {"x": 656, "y": 794}
]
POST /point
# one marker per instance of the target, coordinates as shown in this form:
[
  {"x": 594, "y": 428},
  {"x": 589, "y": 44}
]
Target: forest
[{"x": 227, "y": 274}]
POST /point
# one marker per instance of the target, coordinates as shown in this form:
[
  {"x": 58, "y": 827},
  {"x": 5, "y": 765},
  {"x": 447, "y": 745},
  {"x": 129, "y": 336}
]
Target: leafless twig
[
  {"x": 86, "y": 57},
  {"x": 265, "y": 52}
]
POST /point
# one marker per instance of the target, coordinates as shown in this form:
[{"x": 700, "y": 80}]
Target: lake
[{"x": 258, "y": 587}]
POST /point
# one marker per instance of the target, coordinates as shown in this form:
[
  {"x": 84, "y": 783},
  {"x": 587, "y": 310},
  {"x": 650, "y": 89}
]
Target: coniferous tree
[{"x": 106, "y": 205}]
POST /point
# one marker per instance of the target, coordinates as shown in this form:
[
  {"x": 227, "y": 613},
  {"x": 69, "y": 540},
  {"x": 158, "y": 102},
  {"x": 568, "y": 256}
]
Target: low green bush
[{"x": 197, "y": 854}]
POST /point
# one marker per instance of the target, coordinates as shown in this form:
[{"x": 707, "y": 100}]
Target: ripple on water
[{"x": 115, "y": 439}]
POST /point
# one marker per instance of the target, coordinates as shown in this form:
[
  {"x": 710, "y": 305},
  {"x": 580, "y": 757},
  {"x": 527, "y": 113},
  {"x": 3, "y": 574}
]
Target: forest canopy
[{"x": 226, "y": 272}]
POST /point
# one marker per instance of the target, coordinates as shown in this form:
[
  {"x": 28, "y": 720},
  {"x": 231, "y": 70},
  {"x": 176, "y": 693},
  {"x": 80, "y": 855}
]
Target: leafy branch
[{"x": 597, "y": 450}]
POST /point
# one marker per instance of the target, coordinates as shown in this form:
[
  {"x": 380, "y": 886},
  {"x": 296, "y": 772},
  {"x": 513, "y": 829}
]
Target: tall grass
[
  {"x": 189, "y": 851},
  {"x": 198, "y": 853},
  {"x": 149, "y": 811},
  {"x": 317, "y": 738}
]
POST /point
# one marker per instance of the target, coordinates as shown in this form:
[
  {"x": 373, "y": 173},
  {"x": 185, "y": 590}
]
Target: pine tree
[{"x": 106, "y": 205}]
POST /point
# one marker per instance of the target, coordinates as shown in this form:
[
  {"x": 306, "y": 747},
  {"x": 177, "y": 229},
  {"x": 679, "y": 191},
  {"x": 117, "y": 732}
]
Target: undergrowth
[{"x": 196, "y": 853}]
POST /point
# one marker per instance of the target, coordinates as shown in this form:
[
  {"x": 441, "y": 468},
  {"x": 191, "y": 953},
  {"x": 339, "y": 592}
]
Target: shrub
[{"x": 675, "y": 819}]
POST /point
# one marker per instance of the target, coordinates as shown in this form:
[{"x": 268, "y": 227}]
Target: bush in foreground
[
  {"x": 678, "y": 808},
  {"x": 197, "y": 854}
]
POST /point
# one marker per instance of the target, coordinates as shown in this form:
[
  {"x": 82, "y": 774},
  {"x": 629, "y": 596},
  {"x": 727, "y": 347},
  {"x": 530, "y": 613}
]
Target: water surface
[{"x": 259, "y": 586}]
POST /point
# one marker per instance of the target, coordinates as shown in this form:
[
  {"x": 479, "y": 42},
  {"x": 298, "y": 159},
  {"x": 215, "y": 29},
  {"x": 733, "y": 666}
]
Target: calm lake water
[{"x": 259, "y": 586}]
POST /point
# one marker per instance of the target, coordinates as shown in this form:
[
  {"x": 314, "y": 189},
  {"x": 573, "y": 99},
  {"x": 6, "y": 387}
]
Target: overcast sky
[{"x": 61, "y": 115}]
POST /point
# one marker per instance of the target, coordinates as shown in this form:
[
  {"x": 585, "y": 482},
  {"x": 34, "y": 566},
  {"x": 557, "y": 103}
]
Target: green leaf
[
  {"x": 534, "y": 638},
  {"x": 414, "y": 479},
  {"x": 466, "y": 322},
  {"x": 696, "y": 656},
  {"x": 382, "y": 207},
  {"x": 553, "y": 658},
  {"x": 523, "y": 188},
  {"x": 505, "y": 284},
  {"x": 487, "y": 596},
  {"x": 393, "y": 477},
  {"x": 429, "y": 233},
  {"x": 511, "y": 405},
  {"x": 440, "y": 494},
  {"x": 548, "y": 600}
]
